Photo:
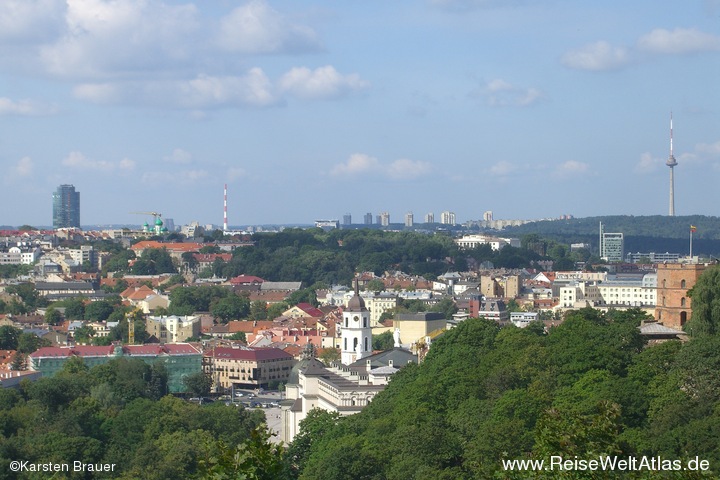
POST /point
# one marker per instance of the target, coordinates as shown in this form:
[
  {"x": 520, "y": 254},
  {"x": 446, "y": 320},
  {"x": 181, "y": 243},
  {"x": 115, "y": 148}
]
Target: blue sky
[{"x": 313, "y": 109}]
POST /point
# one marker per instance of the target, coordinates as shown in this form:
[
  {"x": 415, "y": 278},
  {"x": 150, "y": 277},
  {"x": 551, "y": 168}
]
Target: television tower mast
[
  {"x": 671, "y": 162},
  {"x": 225, "y": 223}
]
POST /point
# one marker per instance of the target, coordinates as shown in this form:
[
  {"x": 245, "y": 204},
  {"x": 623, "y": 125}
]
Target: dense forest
[
  {"x": 642, "y": 233},
  {"x": 587, "y": 388},
  {"x": 119, "y": 413},
  {"x": 316, "y": 256}
]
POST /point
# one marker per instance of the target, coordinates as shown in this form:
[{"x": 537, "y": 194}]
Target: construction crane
[
  {"x": 130, "y": 317},
  {"x": 157, "y": 228}
]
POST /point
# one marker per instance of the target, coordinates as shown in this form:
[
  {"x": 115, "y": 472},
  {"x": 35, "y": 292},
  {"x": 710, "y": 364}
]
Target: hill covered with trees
[
  {"x": 656, "y": 233},
  {"x": 485, "y": 394}
]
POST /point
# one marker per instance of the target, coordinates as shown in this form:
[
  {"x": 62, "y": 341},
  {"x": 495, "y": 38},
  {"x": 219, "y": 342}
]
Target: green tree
[
  {"x": 705, "y": 296},
  {"x": 98, "y": 311},
  {"x": 313, "y": 427},
  {"x": 198, "y": 384},
  {"x": 383, "y": 341},
  {"x": 276, "y": 309},
  {"x": 29, "y": 342},
  {"x": 232, "y": 307},
  {"x": 84, "y": 334},
  {"x": 9, "y": 337},
  {"x": 53, "y": 316},
  {"x": 74, "y": 309},
  {"x": 258, "y": 310},
  {"x": 238, "y": 336},
  {"x": 375, "y": 285}
]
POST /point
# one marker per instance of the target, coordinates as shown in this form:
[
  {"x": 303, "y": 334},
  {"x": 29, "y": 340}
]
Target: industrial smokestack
[{"x": 225, "y": 222}]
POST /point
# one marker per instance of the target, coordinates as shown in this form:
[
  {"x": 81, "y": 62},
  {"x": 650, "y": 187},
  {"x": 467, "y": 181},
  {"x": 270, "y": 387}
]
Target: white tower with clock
[{"x": 356, "y": 331}]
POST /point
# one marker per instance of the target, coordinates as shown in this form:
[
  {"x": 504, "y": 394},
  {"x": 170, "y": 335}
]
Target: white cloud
[
  {"x": 234, "y": 173},
  {"x": 709, "y": 149},
  {"x": 80, "y": 161},
  {"x": 31, "y": 20},
  {"x": 203, "y": 91},
  {"x": 321, "y": 83},
  {"x": 678, "y": 41},
  {"x": 602, "y": 56},
  {"x": 24, "y": 167},
  {"x": 571, "y": 168},
  {"x": 253, "y": 89},
  {"x": 648, "y": 163},
  {"x": 120, "y": 38},
  {"x": 362, "y": 164},
  {"x": 179, "y": 156},
  {"x": 358, "y": 163},
  {"x": 503, "y": 168},
  {"x": 257, "y": 28},
  {"x": 24, "y": 107},
  {"x": 500, "y": 93},
  {"x": 404, "y": 168},
  {"x": 598, "y": 56},
  {"x": 181, "y": 178},
  {"x": 126, "y": 164}
]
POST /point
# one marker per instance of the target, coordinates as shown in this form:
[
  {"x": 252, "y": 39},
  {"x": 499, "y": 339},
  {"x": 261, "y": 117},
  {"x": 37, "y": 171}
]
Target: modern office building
[
  {"x": 66, "y": 207},
  {"x": 612, "y": 246}
]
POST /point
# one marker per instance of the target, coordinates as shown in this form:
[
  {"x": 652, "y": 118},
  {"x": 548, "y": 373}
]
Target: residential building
[
  {"x": 652, "y": 257},
  {"x": 414, "y": 327},
  {"x": 367, "y": 219},
  {"x": 523, "y": 319},
  {"x": 247, "y": 367},
  {"x": 447, "y": 218},
  {"x": 180, "y": 359},
  {"x": 489, "y": 308},
  {"x": 174, "y": 328},
  {"x": 66, "y": 207},
  {"x": 347, "y": 219},
  {"x": 378, "y": 304},
  {"x": 409, "y": 219},
  {"x": 473, "y": 241},
  {"x": 384, "y": 218},
  {"x": 430, "y": 218}
]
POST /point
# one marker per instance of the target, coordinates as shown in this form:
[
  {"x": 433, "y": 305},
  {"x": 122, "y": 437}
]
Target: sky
[{"x": 312, "y": 109}]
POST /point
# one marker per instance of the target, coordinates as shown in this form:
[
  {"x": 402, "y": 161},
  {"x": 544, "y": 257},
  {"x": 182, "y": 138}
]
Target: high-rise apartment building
[
  {"x": 347, "y": 219},
  {"x": 447, "y": 218},
  {"x": 384, "y": 218},
  {"x": 66, "y": 207},
  {"x": 367, "y": 219},
  {"x": 409, "y": 219},
  {"x": 430, "y": 218}
]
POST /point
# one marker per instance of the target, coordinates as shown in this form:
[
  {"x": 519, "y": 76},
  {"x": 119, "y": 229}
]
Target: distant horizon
[{"x": 458, "y": 224}]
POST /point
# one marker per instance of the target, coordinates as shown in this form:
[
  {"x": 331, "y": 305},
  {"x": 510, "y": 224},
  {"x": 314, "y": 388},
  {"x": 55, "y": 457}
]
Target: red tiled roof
[
  {"x": 245, "y": 279},
  {"x": 256, "y": 354},
  {"x": 310, "y": 310}
]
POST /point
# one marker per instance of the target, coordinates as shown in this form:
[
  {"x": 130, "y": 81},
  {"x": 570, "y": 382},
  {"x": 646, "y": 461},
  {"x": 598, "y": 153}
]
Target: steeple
[{"x": 356, "y": 331}]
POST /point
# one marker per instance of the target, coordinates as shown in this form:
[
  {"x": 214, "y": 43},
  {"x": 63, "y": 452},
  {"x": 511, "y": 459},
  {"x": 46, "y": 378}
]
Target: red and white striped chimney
[{"x": 225, "y": 224}]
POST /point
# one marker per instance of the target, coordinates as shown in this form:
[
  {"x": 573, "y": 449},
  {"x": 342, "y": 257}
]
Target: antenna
[
  {"x": 671, "y": 162},
  {"x": 225, "y": 222}
]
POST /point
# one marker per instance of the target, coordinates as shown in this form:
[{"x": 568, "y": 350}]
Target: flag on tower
[{"x": 693, "y": 228}]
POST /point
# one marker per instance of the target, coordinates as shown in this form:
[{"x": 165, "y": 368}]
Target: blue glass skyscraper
[{"x": 66, "y": 207}]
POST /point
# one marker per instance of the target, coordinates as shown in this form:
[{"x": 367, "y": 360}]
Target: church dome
[{"x": 356, "y": 303}]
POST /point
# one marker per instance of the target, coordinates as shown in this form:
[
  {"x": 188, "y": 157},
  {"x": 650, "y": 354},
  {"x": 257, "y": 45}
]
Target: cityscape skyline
[{"x": 312, "y": 110}]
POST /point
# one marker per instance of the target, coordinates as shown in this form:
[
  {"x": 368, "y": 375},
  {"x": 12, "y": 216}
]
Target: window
[
  {"x": 682, "y": 302},
  {"x": 682, "y": 283}
]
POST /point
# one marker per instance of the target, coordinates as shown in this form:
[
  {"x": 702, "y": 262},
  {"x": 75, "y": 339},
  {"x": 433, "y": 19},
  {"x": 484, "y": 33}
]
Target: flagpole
[{"x": 691, "y": 232}]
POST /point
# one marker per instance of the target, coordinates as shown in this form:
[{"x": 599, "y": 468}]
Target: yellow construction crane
[{"x": 130, "y": 317}]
